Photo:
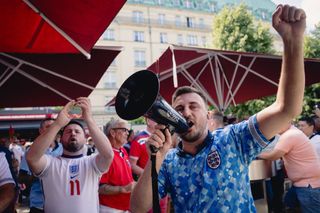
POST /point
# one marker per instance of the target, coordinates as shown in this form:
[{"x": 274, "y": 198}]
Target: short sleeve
[
  {"x": 5, "y": 175},
  {"x": 135, "y": 149}
]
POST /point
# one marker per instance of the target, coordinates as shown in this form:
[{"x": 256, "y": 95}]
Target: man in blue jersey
[{"x": 209, "y": 172}]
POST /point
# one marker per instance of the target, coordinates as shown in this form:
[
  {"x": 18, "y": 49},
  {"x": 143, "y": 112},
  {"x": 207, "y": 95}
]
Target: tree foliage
[
  {"x": 312, "y": 50},
  {"x": 235, "y": 28},
  {"x": 312, "y": 43}
]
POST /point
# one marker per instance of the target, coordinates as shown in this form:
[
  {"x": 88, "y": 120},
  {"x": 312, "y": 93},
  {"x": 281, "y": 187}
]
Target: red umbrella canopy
[
  {"x": 51, "y": 79},
  {"x": 54, "y": 26},
  {"x": 225, "y": 77}
]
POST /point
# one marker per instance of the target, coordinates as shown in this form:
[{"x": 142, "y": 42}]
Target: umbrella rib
[
  {"x": 250, "y": 70},
  {"x": 218, "y": 82},
  {"x": 41, "y": 83},
  {"x": 243, "y": 77},
  {"x": 53, "y": 25},
  {"x": 17, "y": 69},
  {"x": 230, "y": 94},
  {"x": 226, "y": 81},
  {"x": 48, "y": 71},
  {"x": 4, "y": 73},
  {"x": 199, "y": 86},
  {"x": 14, "y": 69},
  {"x": 169, "y": 71}
]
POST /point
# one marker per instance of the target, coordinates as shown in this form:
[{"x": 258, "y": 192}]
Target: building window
[
  {"x": 212, "y": 7},
  {"x": 192, "y": 40},
  {"x": 109, "y": 35},
  {"x": 138, "y": 36},
  {"x": 180, "y": 39},
  {"x": 160, "y": 2},
  {"x": 178, "y": 21},
  {"x": 163, "y": 38},
  {"x": 204, "y": 41},
  {"x": 176, "y": 2},
  {"x": 113, "y": 63},
  {"x": 139, "y": 58},
  {"x": 110, "y": 80},
  {"x": 137, "y": 16},
  {"x": 110, "y": 109},
  {"x": 190, "y": 22},
  {"x": 188, "y": 4},
  {"x": 201, "y": 23},
  {"x": 161, "y": 19}
]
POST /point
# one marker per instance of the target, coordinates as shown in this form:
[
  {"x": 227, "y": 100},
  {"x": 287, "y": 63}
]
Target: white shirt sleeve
[{"x": 5, "y": 174}]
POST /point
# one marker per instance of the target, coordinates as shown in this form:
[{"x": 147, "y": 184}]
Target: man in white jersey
[
  {"x": 7, "y": 191},
  {"x": 70, "y": 182}
]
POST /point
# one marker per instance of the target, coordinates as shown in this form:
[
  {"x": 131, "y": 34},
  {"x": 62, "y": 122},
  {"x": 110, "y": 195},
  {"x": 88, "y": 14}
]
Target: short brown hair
[
  {"x": 217, "y": 115},
  {"x": 187, "y": 89}
]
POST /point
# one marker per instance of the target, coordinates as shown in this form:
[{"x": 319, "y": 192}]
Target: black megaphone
[{"x": 139, "y": 96}]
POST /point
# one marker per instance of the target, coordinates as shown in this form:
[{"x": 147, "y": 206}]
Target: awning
[
  {"x": 225, "y": 77},
  {"x": 54, "y": 26},
  {"x": 31, "y": 80}
]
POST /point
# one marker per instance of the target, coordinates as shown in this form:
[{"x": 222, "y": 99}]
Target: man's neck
[
  {"x": 67, "y": 153},
  {"x": 192, "y": 148}
]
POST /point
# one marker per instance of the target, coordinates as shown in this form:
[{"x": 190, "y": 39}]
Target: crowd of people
[{"x": 202, "y": 170}]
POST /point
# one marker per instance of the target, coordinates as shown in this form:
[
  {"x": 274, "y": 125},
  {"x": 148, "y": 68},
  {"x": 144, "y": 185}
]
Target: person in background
[
  {"x": 316, "y": 118},
  {"x": 70, "y": 182},
  {"x": 307, "y": 126},
  {"x": 4, "y": 149},
  {"x": 139, "y": 155},
  {"x": 138, "y": 151},
  {"x": 131, "y": 136},
  {"x": 275, "y": 185},
  {"x": 209, "y": 172},
  {"x": 36, "y": 197},
  {"x": 17, "y": 152},
  {"x": 216, "y": 120},
  {"x": 91, "y": 147},
  {"x": 302, "y": 166},
  {"x": 116, "y": 184},
  {"x": 7, "y": 185}
]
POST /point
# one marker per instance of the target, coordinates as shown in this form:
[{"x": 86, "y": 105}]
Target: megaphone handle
[{"x": 154, "y": 149}]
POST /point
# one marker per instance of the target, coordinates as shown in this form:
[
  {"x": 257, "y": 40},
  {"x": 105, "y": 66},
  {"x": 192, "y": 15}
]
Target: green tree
[
  {"x": 312, "y": 43},
  {"x": 236, "y": 29},
  {"x": 312, "y": 50}
]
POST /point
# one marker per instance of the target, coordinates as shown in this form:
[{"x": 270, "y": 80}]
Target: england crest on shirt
[
  {"x": 73, "y": 169},
  {"x": 213, "y": 159}
]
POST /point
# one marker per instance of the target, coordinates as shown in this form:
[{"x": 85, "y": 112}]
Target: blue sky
[{"x": 311, "y": 7}]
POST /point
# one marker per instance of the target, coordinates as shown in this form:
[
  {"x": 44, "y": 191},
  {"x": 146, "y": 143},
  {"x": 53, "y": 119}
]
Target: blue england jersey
[{"x": 216, "y": 178}]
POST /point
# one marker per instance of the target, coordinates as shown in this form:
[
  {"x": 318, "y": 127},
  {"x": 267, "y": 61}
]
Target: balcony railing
[{"x": 144, "y": 22}]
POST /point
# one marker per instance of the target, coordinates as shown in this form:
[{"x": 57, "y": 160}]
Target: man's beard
[
  {"x": 72, "y": 147},
  {"x": 191, "y": 137}
]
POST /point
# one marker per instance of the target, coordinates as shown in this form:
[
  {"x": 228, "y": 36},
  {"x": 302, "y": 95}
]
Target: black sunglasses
[{"x": 122, "y": 129}]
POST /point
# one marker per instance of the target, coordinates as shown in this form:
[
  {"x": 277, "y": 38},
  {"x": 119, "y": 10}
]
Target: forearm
[
  {"x": 141, "y": 196},
  {"x": 136, "y": 169},
  {"x": 106, "y": 189},
  {"x": 100, "y": 140},
  {"x": 7, "y": 194},
  {"x": 41, "y": 144},
  {"x": 292, "y": 80}
]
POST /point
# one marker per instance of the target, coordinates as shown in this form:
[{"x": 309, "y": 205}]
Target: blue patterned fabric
[{"x": 216, "y": 178}]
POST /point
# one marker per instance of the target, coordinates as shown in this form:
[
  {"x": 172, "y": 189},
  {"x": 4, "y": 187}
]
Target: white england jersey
[
  {"x": 5, "y": 175},
  {"x": 71, "y": 184}
]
